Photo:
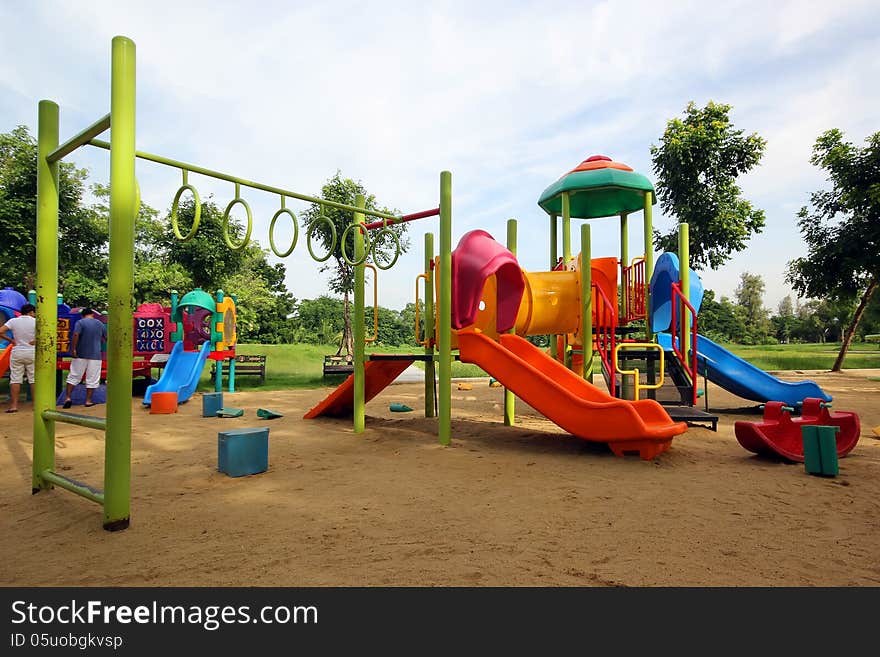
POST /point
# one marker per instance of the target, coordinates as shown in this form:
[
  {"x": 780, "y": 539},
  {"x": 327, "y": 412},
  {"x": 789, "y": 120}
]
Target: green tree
[
  {"x": 697, "y": 163},
  {"x": 206, "y": 257},
  {"x": 749, "y": 296},
  {"x": 784, "y": 320},
  {"x": 344, "y": 190},
  {"x": 718, "y": 320},
  {"x": 318, "y": 321},
  {"x": 842, "y": 231},
  {"x": 82, "y": 231}
]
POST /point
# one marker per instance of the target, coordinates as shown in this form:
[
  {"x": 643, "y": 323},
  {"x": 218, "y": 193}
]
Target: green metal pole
[
  {"x": 79, "y": 488},
  {"x": 194, "y": 168},
  {"x": 587, "y": 301},
  {"x": 218, "y": 377},
  {"x": 360, "y": 414},
  {"x": 566, "y": 257},
  {"x": 89, "y": 421},
  {"x": 444, "y": 315},
  {"x": 554, "y": 256},
  {"x": 566, "y": 228},
  {"x": 509, "y": 397},
  {"x": 649, "y": 262},
  {"x": 117, "y": 450},
  {"x": 685, "y": 276},
  {"x": 624, "y": 260},
  {"x": 47, "y": 294},
  {"x": 430, "y": 371}
]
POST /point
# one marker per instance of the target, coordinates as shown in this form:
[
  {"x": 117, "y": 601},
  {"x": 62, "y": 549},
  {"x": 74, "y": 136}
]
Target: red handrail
[
  {"x": 676, "y": 347},
  {"x": 634, "y": 291},
  {"x": 407, "y": 217},
  {"x": 606, "y": 323}
]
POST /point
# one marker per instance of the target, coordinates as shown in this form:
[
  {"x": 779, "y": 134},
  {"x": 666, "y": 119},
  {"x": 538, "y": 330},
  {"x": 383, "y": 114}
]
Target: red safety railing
[
  {"x": 691, "y": 369},
  {"x": 605, "y": 326},
  {"x": 402, "y": 220},
  {"x": 634, "y": 291}
]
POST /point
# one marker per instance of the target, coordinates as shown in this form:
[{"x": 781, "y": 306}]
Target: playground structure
[
  {"x": 202, "y": 327},
  {"x": 484, "y": 304}
]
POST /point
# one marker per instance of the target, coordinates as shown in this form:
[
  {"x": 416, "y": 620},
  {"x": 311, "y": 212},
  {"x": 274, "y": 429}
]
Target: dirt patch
[{"x": 523, "y": 505}]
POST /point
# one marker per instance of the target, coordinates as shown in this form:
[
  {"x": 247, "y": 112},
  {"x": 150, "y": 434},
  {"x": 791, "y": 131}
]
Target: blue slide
[
  {"x": 181, "y": 373},
  {"x": 744, "y": 379}
]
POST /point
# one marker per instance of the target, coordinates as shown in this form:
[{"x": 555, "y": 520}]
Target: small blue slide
[
  {"x": 744, "y": 379},
  {"x": 181, "y": 373}
]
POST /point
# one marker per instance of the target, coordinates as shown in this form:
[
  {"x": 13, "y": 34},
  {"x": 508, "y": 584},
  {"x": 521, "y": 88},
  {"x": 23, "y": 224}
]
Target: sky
[{"x": 508, "y": 96}]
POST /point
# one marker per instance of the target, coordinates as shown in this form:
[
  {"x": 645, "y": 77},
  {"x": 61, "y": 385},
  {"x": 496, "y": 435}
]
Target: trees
[
  {"x": 719, "y": 320},
  {"x": 344, "y": 190},
  {"x": 842, "y": 230},
  {"x": 697, "y": 163},
  {"x": 162, "y": 262},
  {"x": 750, "y": 300},
  {"x": 784, "y": 321},
  {"x": 82, "y": 231},
  {"x": 263, "y": 299}
]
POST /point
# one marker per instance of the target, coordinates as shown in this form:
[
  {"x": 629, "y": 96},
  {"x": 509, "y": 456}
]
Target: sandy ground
[{"x": 526, "y": 505}]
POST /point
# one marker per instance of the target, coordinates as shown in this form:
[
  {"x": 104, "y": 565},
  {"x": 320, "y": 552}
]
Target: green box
[{"x": 820, "y": 450}]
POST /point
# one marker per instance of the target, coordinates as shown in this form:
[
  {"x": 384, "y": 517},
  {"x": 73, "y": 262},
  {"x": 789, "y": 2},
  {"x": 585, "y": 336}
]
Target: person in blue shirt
[{"x": 85, "y": 347}]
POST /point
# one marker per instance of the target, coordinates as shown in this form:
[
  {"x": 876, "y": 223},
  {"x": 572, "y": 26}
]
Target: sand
[{"x": 523, "y": 506}]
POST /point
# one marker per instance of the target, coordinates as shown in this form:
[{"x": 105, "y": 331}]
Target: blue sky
[{"x": 507, "y": 96}]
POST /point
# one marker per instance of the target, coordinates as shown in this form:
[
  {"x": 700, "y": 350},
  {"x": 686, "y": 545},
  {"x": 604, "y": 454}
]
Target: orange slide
[
  {"x": 569, "y": 401},
  {"x": 378, "y": 374},
  {"x": 4, "y": 359}
]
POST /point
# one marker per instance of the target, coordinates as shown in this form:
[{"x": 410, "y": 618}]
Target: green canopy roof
[
  {"x": 198, "y": 298},
  {"x": 598, "y": 193}
]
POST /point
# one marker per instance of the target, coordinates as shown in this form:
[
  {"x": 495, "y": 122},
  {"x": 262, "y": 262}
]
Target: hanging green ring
[
  {"x": 395, "y": 239},
  {"x": 314, "y": 224},
  {"x": 354, "y": 263},
  {"x": 247, "y": 233},
  {"x": 197, "y": 213},
  {"x": 272, "y": 233}
]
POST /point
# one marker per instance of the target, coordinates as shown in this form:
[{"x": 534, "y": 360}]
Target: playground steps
[{"x": 676, "y": 393}]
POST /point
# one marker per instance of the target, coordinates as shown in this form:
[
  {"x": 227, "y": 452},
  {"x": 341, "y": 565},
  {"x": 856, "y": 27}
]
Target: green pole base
[{"x": 117, "y": 525}]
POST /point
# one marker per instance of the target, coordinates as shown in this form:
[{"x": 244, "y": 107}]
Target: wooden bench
[
  {"x": 245, "y": 365},
  {"x": 338, "y": 365}
]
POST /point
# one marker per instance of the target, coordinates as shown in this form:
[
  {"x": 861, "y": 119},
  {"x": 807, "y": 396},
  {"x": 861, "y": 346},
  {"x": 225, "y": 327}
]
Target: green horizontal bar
[
  {"x": 247, "y": 183},
  {"x": 81, "y": 139},
  {"x": 99, "y": 423},
  {"x": 81, "y": 489}
]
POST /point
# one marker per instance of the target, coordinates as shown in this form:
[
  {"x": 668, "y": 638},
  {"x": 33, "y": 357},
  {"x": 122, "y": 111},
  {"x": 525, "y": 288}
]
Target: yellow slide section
[{"x": 569, "y": 401}]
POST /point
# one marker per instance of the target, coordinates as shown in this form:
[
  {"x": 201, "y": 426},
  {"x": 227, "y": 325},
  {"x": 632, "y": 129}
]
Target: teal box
[
  {"x": 243, "y": 452},
  {"x": 820, "y": 450},
  {"x": 211, "y": 403}
]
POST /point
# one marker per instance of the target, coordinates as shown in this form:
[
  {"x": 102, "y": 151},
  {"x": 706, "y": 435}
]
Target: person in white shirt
[{"x": 21, "y": 361}]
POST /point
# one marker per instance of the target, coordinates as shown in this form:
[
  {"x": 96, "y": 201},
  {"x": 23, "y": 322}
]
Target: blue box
[
  {"x": 243, "y": 452},
  {"x": 211, "y": 403}
]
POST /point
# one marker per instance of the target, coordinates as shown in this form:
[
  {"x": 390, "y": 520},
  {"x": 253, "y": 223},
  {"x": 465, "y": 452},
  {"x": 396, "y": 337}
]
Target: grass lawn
[
  {"x": 301, "y": 365},
  {"x": 807, "y": 356}
]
